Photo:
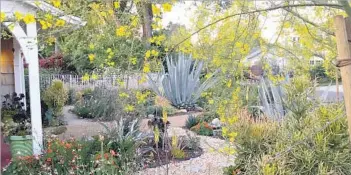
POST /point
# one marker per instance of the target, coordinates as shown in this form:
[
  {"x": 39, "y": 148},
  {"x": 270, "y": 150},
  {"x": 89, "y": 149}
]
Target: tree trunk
[{"x": 146, "y": 14}]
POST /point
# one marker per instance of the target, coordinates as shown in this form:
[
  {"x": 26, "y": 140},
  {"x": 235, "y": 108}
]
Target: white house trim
[
  {"x": 25, "y": 40},
  {"x": 28, "y": 43}
]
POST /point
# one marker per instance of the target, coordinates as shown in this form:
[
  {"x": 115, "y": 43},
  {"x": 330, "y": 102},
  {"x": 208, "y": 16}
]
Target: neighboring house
[
  {"x": 316, "y": 61},
  {"x": 24, "y": 42},
  {"x": 256, "y": 57}
]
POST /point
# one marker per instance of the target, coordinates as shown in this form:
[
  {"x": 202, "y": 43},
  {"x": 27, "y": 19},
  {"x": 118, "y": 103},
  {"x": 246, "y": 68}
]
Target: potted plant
[{"x": 16, "y": 125}]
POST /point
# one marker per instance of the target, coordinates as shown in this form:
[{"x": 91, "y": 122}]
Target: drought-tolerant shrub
[
  {"x": 55, "y": 97},
  {"x": 191, "y": 121},
  {"x": 109, "y": 104},
  {"x": 72, "y": 96},
  {"x": 315, "y": 144}
]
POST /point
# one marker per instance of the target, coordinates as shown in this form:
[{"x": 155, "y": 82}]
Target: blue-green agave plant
[{"x": 181, "y": 84}]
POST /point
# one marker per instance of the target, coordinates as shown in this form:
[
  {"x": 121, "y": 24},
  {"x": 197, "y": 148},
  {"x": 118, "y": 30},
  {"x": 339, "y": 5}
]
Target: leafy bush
[
  {"x": 191, "y": 121},
  {"x": 15, "y": 121},
  {"x": 181, "y": 84},
  {"x": 109, "y": 104},
  {"x": 125, "y": 138},
  {"x": 315, "y": 144},
  {"x": 72, "y": 96},
  {"x": 55, "y": 97}
]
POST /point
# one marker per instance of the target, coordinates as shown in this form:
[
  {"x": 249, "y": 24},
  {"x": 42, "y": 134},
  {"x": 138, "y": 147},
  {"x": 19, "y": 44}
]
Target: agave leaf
[{"x": 181, "y": 84}]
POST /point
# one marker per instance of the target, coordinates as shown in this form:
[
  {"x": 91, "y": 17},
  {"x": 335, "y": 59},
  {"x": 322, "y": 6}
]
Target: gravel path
[{"x": 211, "y": 162}]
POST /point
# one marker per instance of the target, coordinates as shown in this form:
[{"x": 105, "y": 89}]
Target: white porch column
[
  {"x": 19, "y": 70},
  {"x": 34, "y": 88}
]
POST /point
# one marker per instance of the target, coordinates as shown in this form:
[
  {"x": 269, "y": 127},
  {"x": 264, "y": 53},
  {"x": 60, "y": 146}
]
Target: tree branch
[
  {"x": 309, "y": 22},
  {"x": 255, "y": 11}
]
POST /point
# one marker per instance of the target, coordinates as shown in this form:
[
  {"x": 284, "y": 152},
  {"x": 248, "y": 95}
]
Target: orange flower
[
  {"x": 49, "y": 151},
  {"x": 68, "y": 146},
  {"x": 48, "y": 159},
  {"x": 106, "y": 155},
  {"x": 98, "y": 157}
]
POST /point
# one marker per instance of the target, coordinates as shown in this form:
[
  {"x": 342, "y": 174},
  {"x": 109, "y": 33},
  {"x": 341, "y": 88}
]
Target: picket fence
[{"x": 130, "y": 81}]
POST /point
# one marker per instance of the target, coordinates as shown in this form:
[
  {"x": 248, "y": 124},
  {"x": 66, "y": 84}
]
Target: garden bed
[{"x": 164, "y": 157}]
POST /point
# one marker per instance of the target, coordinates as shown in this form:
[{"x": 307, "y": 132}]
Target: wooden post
[{"x": 343, "y": 34}]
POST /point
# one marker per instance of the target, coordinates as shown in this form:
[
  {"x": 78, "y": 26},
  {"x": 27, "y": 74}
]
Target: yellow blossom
[
  {"x": 91, "y": 57},
  {"x": 94, "y": 76},
  {"x": 133, "y": 60},
  {"x": 142, "y": 79},
  {"x": 148, "y": 54},
  {"x": 56, "y": 3},
  {"x": 167, "y": 7},
  {"x": 120, "y": 82},
  {"x": 210, "y": 101},
  {"x": 2, "y": 16},
  {"x": 60, "y": 23},
  {"x": 164, "y": 116},
  {"x": 154, "y": 53},
  {"x": 85, "y": 77},
  {"x": 95, "y": 6},
  {"x": 156, "y": 135},
  {"x": 141, "y": 98},
  {"x": 109, "y": 50},
  {"x": 29, "y": 18},
  {"x": 44, "y": 24},
  {"x": 146, "y": 68},
  {"x": 229, "y": 83},
  {"x": 123, "y": 95},
  {"x": 111, "y": 12},
  {"x": 48, "y": 17},
  {"x": 91, "y": 46},
  {"x": 135, "y": 21},
  {"x": 129, "y": 108},
  {"x": 207, "y": 76},
  {"x": 155, "y": 10},
  {"x": 18, "y": 16},
  {"x": 103, "y": 14},
  {"x": 116, "y": 4},
  {"x": 111, "y": 64},
  {"x": 121, "y": 31},
  {"x": 50, "y": 40}
]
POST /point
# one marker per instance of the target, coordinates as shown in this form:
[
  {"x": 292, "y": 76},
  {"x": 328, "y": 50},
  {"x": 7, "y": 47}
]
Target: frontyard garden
[{"x": 244, "y": 87}]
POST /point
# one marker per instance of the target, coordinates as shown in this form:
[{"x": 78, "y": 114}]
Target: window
[
  {"x": 295, "y": 39},
  {"x": 311, "y": 62}
]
